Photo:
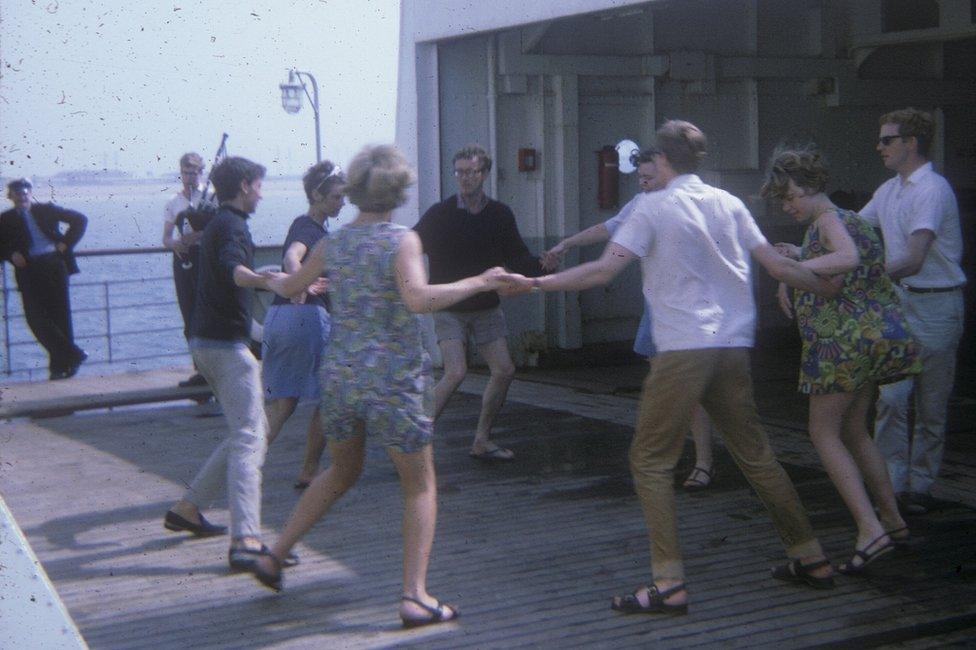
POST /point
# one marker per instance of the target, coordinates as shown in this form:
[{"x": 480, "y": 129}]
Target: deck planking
[{"x": 531, "y": 551}]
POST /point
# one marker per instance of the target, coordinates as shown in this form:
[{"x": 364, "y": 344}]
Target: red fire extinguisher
[{"x": 608, "y": 178}]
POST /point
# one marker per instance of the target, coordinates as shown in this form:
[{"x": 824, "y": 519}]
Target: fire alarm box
[{"x": 526, "y": 160}]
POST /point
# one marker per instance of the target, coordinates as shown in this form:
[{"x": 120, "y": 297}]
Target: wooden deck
[{"x": 531, "y": 551}]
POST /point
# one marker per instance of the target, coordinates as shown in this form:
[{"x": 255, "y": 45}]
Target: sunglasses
[
  {"x": 886, "y": 140},
  {"x": 336, "y": 172}
]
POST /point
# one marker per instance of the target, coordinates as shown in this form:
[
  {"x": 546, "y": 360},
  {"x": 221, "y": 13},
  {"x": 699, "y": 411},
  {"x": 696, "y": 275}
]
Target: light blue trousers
[{"x": 913, "y": 460}]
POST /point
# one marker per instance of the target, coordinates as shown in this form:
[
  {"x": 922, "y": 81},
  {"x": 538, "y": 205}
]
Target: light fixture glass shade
[{"x": 291, "y": 97}]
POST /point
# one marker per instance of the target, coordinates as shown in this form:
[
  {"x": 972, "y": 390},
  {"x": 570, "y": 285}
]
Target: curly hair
[
  {"x": 322, "y": 177},
  {"x": 378, "y": 179},
  {"x": 912, "y": 123},
  {"x": 805, "y": 165}
]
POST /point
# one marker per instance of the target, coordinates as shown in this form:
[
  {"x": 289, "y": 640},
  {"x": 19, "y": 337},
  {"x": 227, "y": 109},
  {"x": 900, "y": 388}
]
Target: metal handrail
[{"x": 109, "y": 335}]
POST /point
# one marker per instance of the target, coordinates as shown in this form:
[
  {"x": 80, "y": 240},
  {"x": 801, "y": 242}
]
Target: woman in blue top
[
  {"x": 296, "y": 331},
  {"x": 376, "y": 375}
]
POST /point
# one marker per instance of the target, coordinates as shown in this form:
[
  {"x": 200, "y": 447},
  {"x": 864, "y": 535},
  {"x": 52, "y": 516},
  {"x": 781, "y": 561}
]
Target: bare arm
[
  {"x": 169, "y": 242},
  {"x": 592, "y": 274},
  {"x": 794, "y": 273},
  {"x": 292, "y": 259},
  {"x": 421, "y": 296},
  {"x": 592, "y": 235},
  {"x": 919, "y": 243},
  {"x": 843, "y": 256}
]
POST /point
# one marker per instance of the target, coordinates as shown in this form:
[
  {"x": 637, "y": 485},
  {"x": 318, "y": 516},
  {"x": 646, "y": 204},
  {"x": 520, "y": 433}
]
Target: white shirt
[
  {"x": 617, "y": 220},
  {"x": 175, "y": 206},
  {"x": 694, "y": 242},
  {"x": 924, "y": 202}
]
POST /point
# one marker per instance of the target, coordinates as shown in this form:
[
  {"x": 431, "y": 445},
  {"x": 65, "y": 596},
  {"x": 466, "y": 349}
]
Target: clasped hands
[{"x": 505, "y": 282}]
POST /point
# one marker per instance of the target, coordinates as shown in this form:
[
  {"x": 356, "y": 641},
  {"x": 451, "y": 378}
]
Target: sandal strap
[
  {"x": 437, "y": 612},
  {"x": 667, "y": 593},
  {"x": 873, "y": 542},
  {"x": 799, "y": 568}
]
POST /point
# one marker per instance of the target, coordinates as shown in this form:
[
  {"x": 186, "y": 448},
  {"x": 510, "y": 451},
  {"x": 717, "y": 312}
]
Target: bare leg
[
  {"x": 455, "y": 368},
  {"x": 502, "y": 371},
  {"x": 419, "y": 485},
  {"x": 826, "y": 415},
  {"x": 278, "y": 411},
  {"x": 314, "y": 446},
  {"x": 869, "y": 459},
  {"x": 701, "y": 434},
  {"x": 325, "y": 490}
]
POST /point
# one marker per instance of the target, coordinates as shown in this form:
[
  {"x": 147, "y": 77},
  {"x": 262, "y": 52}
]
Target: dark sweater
[
  {"x": 223, "y": 310},
  {"x": 459, "y": 244}
]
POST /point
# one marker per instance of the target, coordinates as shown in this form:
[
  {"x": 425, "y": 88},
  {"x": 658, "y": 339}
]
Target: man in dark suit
[{"x": 31, "y": 240}]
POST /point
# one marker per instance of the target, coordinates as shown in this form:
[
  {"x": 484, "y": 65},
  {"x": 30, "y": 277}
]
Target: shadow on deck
[{"x": 531, "y": 551}]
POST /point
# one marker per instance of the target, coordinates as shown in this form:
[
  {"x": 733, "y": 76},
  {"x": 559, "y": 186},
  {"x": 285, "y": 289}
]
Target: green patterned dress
[
  {"x": 375, "y": 370},
  {"x": 860, "y": 335}
]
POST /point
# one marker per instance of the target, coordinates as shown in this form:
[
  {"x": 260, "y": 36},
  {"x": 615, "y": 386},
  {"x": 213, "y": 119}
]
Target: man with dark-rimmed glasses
[
  {"x": 465, "y": 235},
  {"x": 919, "y": 218}
]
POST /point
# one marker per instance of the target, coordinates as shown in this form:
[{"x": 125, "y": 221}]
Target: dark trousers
[
  {"x": 43, "y": 286},
  {"x": 186, "y": 285}
]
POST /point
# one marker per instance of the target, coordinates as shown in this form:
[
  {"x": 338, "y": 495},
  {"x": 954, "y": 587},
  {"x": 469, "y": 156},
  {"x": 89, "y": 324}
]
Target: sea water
[{"x": 146, "y": 326}]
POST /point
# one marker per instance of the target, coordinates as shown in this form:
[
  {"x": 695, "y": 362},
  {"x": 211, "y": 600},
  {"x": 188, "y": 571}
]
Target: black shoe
[
  {"x": 58, "y": 374},
  {"x": 78, "y": 358},
  {"x": 176, "y": 523},
  {"x": 192, "y": 382},
  {"x": 241, "y": 558}
]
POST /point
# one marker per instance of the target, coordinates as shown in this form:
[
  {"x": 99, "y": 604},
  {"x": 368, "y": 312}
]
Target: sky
[{"x": 133, "y": 85}]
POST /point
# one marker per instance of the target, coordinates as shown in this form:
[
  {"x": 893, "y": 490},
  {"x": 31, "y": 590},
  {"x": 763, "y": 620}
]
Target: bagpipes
[{"x": 199, "y": 216}]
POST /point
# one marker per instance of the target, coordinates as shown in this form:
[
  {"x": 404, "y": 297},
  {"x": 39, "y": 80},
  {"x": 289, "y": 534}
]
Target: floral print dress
[
  {"x": 860, "y": 335},
  {"x": 376, "y": 370}
]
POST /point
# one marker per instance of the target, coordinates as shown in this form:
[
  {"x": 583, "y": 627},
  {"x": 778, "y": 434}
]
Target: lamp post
[{"x": 291, "y": 101}]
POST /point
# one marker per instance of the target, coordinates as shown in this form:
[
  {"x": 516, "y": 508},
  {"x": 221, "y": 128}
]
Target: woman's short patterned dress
[
  {"x": 376, "y": 369},
  {"x": 859, "y": 336}
]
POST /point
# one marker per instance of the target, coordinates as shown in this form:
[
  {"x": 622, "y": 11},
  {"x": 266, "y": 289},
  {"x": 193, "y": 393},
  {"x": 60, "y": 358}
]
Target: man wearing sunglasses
[
  {"x": 465, "y": 235},
  {"x": 919, "y": 218}
]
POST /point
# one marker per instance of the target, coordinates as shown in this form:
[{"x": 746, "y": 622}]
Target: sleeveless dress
[
  {"x": 860, "y": 335},
  {"x": 376, "y": 369}
]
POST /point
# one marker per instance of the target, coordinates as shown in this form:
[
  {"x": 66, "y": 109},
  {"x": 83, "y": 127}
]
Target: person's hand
[
  {"x": 18, "y": 260},
  {"x": 783, "y": 297},
  {"x": 786, "y": 249},
  {"x": 191, "y": 238},
  {"x": 553, "y": 257},
  {"x": 515, "y": 285},
  {"x": 318, "y": 287},
  {"x": 61, "y": 247},
  {"x": 300, "y": 298},
  {"x": 275, "y": 281}
]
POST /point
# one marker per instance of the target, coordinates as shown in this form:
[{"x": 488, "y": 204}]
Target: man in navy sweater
[{"x": 462, "y": 236}]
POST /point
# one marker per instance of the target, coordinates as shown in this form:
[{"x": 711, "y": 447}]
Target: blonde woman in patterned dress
[
  {"x": 376, "y": 375},
  {"x": 854, "y": 338}
]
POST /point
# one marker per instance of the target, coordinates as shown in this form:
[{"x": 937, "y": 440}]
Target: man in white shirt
[
  {"x": 919, "y": 218},
  {"x": 693, "y": 241},
  {"x": 180, "y": 237}
]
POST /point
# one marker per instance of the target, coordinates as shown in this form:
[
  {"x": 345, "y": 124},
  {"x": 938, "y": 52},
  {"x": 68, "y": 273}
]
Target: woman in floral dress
[
  {"x": 376, "y": 375},
  {"x": 854, "y": 338}
]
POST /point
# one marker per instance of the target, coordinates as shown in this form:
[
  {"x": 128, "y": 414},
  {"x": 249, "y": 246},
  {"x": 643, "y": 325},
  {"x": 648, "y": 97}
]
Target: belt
[{"x": 931, "y": 289}]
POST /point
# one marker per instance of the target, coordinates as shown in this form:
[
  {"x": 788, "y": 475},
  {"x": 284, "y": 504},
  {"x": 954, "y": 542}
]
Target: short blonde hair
[
  {"x": 191, "y": 159},
  {"x": 378, "y": 179},
  {"x": 913, "y": 123}
]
